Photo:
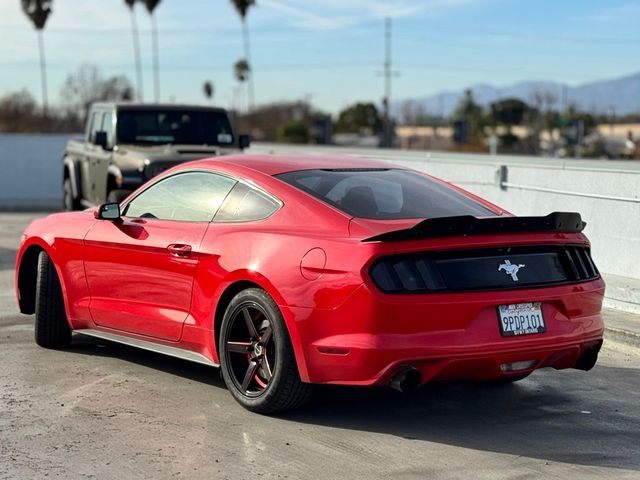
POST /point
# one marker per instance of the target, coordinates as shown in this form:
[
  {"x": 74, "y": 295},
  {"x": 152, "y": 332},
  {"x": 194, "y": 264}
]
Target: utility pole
[
  {"x": 612, "y": 118},
  {"x": 388, "y": 73},
  {"x": 156, "y": 66},
  {"x": 387, "y": 84}
]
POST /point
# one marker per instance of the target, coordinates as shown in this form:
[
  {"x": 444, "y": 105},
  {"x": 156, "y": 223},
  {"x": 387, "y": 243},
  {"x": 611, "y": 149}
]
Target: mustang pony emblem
[{"x": 511, "y": 269}]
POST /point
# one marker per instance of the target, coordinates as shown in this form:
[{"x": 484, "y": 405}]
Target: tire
[
  {"x": 259, "y": 368},
  {"x": 51, "y": 329},
  {"x": 69, "y": 203},
  {"x": 118, "y": 195}
]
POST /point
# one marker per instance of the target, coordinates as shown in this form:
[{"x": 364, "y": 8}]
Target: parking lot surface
[{"x": 101, "y": 410}]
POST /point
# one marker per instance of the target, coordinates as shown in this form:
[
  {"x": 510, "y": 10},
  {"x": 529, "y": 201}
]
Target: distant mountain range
[{"x": 621, "y": 94}]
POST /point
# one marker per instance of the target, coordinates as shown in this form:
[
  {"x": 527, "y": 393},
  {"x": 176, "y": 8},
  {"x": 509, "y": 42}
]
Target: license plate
[{"x": 521, "y": 319}]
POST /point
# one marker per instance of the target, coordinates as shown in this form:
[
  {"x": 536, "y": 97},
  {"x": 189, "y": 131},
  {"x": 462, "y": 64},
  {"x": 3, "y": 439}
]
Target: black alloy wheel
[
  {"x": 257, "y": 360},
  {"x": 251, "y": 353}
]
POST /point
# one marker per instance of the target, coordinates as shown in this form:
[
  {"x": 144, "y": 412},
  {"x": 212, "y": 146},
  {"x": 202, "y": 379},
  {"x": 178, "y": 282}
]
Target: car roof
[{"x": 276, "y": 164}]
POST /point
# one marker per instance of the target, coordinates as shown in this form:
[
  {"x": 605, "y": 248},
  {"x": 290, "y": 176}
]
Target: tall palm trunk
[
  {"x": 247, "y": 54},
  {"x": 38, "y": 11},
  {"x": 136, "y": 54},
  {"x": 156, "y": 61},
  {"x": 43, "y": 74}
]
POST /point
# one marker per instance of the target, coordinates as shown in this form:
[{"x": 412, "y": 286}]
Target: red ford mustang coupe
[{"x": 291, "y": 271}]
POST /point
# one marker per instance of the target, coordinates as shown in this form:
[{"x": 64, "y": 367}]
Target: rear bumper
[
  {"x": 481, "y": 365},
  {"x": 371, "y": 337}
]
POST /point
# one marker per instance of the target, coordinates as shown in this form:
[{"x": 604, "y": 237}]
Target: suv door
[
  {"x": 86, "y": 161},
  {"x": 140, "y": 270},
  {"x": 101, "y": 160}
]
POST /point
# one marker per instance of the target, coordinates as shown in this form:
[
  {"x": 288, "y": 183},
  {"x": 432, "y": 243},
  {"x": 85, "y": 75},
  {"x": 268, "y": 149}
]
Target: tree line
[{"x": 20, "y": 112}]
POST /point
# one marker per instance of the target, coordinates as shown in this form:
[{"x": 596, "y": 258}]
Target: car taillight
[{"x": 483, "y": 269}]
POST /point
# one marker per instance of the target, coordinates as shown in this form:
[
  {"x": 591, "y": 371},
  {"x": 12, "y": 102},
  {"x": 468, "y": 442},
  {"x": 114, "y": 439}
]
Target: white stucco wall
[{"x": 31, "y": 171}]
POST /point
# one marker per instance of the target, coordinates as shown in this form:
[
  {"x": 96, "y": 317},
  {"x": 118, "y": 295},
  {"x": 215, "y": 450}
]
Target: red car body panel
[
  {"x": 310, "y": 257},
  {"x": 134, "y": 253}
]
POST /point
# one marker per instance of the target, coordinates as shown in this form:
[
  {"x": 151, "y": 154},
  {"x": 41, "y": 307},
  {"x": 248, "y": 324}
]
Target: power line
[
  {"x": 626, "y": 40},
  {"x": 329, "y": 65}
]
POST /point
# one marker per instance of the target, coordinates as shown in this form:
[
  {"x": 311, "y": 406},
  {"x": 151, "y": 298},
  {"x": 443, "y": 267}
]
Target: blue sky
[{"x": 330, "y": 51}]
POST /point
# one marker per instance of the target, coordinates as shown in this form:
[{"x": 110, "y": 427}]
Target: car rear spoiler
[{"x": 463, "y": 225}]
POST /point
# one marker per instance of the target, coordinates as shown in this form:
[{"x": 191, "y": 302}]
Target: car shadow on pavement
[
  {"x": 567, "y": 416},
  {"x": 193, "y": 371},
  {"x": 570, "y": 416}
]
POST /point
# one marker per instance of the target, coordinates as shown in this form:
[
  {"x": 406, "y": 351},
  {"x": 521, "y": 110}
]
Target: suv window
[
  {"x": 189, "y": 197},
  {"x": 385, "y": 193},
  {"x": 107, "y": 126},
  {"x": 95, "y": 126},
  {"x": 246, "y": 204},
  {"x": 160, "y": 126}
]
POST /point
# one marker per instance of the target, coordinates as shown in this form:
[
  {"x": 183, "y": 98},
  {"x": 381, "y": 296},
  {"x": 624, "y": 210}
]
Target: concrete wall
[
  {"x": 31, "y": 178},
  {"x": 31, "y": 171}
]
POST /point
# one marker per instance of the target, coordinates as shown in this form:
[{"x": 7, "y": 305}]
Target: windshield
[
  {"x": 385, "y": 194},
  {"x": 197, "y": 127}
]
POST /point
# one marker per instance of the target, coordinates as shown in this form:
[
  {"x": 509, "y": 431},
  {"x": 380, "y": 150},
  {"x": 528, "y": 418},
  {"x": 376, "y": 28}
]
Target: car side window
[
  {"x": 189, "y": 197},
  {"x": 246, "y": 204}
]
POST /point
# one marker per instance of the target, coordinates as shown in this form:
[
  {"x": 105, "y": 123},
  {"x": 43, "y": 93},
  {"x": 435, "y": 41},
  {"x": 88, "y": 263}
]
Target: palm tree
[
  {"x": 136, "y": 47},
  {"x": 38, "y": 11},
  {"x": 207, "y": 88},
  {"x": 242, "y": 6},
  {"x": 241, "y": 71},
  {"x": 151, "y": 6}
]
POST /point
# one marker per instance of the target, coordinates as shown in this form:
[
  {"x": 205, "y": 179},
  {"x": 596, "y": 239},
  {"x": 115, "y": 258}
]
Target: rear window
[{"x": 384, "y": 193}]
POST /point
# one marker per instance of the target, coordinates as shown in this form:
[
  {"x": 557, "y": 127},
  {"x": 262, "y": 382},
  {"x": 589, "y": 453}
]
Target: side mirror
[
  {"x": 108, "y": 211},
  {"x": 100, "y": 139},
  {"x": 244, "y": 141}
]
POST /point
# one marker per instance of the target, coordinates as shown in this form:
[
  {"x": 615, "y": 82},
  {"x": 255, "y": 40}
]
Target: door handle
[{"x": 179, "y": 250}]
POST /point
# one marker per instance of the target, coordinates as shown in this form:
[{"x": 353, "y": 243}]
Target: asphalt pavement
[{"x": 101, "y": 410}]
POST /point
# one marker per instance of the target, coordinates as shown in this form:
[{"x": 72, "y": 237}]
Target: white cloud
[
  {"x": 304, "y": 18},
  {"x": 341, "y": 14}
]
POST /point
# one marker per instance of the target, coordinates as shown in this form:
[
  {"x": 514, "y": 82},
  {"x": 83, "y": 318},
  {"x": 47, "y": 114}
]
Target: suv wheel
[{"x": 69, "y": 203}]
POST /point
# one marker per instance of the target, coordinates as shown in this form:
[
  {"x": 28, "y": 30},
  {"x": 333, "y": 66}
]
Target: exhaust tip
[
  {"x": 589, "y": 357},
  {"x": 407, "y": 381}
]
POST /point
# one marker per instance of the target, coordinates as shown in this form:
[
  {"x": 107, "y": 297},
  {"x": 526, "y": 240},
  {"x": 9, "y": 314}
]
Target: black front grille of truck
[{"x": 483, "y": 269}]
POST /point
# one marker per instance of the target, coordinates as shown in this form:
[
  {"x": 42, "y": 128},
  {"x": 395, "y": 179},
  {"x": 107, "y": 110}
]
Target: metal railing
[{"x": 572, "y": 193}]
